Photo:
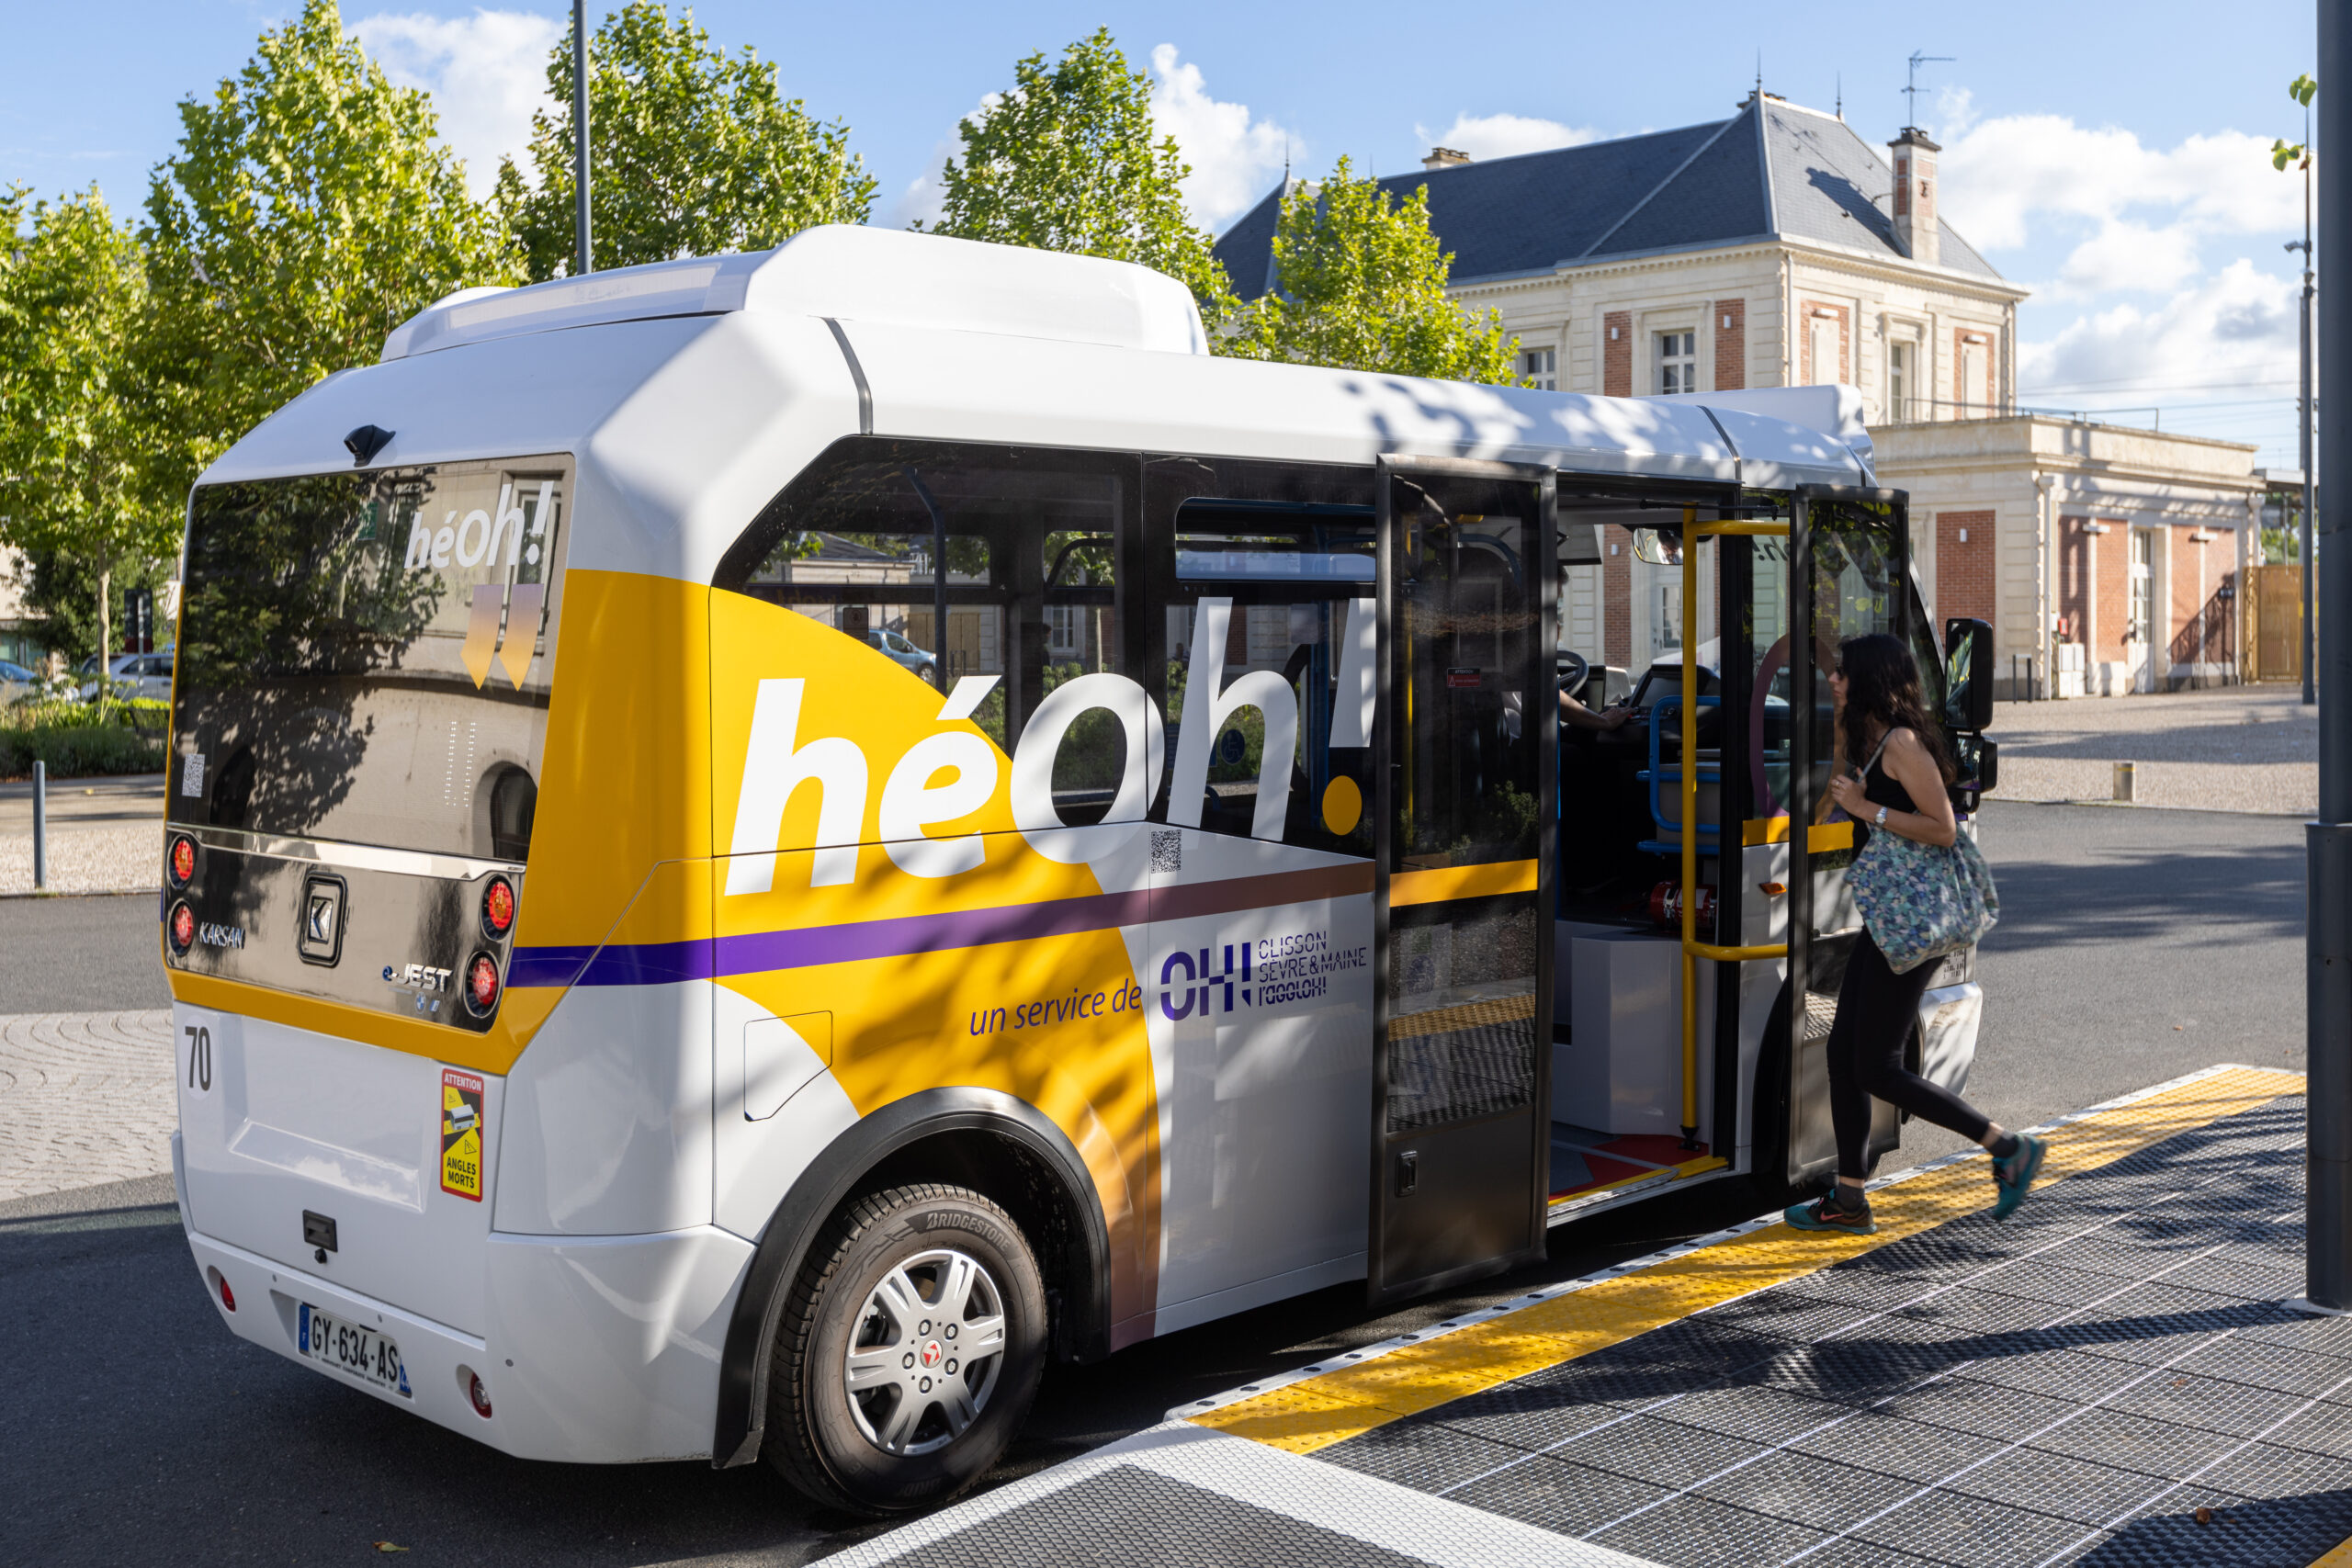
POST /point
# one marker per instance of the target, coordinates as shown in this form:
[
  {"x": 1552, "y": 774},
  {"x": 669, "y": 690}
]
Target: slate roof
[{"x": 1770, "y": 171}]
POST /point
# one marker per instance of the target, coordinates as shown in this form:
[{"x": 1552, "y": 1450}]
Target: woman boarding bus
[{"x": 625, "y": 1013}]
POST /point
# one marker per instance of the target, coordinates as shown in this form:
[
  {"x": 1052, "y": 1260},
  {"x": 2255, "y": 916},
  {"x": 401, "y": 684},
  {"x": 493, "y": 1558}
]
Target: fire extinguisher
[{"x": 1666, "y": 905}]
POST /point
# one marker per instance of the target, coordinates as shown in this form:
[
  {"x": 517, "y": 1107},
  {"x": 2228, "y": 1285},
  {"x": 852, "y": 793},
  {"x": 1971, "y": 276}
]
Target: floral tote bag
[{"x": 1922, "y": 901}]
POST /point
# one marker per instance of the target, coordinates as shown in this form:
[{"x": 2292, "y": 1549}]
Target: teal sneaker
[
  {"x": 2014, "y": 1176},
  {"x": 1823, "y": 1216}
]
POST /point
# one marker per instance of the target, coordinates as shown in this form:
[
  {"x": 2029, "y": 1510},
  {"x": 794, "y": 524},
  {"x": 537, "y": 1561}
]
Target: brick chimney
[
  {"x": 1444, "y": 158},
  {"x": 1914, "y": 195}
]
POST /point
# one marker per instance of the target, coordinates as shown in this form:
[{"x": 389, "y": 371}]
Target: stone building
[{"x": 1777, "y": 248}]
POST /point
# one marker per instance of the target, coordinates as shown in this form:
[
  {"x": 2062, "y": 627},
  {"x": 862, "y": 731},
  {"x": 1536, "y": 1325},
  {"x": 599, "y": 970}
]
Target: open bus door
[
  {"x": 1465, "y": 742},
  {"x": 1850, "y": 573}
]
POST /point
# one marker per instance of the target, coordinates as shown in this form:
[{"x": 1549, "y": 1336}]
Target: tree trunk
[{"x": 106, "y": 632}]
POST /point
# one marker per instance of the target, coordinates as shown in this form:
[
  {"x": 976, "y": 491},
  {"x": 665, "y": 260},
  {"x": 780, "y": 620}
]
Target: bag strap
[{"x": 1882, "y": 739}]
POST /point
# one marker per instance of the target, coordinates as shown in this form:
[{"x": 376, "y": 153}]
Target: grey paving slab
[
  {"x": 84, "y": 1098},
  {"x": 2137, "y": 1442},
  {"x": 1567, "y": 1498},
  {"x": 1914, "y": 1451},
  {"x": 1692, "y": 1531}
]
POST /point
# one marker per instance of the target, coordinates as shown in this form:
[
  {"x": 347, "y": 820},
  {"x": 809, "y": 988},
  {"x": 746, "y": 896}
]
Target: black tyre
[{"x": 908, "y": 1352}]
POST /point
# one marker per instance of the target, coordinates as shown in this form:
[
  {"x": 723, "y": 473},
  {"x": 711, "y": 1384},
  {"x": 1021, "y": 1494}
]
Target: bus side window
[
  {"x": 1269, "y": 568},
  {"x": 1033, "y": 543}
]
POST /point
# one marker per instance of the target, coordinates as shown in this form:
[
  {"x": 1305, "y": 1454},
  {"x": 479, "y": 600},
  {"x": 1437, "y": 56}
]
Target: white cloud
[
  {"x": 1504, "y": 135},
  {"x": 924, "y": 195},
  {"x": 487, "y": 72},
  {"x": 2148, "y": 210},
  {"x": 1235, "y": 157},
  {"x": 2235, "y": 327}
]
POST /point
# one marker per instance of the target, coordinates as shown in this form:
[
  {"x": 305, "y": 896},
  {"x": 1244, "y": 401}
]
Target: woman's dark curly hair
[{"x": 1883, "y": 684}]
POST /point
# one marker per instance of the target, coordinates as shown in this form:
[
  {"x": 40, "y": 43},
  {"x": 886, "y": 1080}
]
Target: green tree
[
  {"x": 308, "y": 211},
  {"x": 75, "y": 418},
  {"x": 1363, "y": 287},
  {"x": 692, "y": 153},
  {"x": 1065, "y": 161}
]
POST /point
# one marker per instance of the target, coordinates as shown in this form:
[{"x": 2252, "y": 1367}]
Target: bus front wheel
[{"x": 908, "y": 1352}]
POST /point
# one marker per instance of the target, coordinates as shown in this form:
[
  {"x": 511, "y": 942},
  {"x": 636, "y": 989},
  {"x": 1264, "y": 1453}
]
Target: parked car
[
  {"x": 924, "y": 664},
  {"x": 135, "y": 675},
  {"x": 16, "y": 681}
]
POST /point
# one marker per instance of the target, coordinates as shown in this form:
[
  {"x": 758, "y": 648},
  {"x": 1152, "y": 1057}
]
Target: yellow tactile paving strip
[
  {"x": 2339, "y": 1558},
  {"x": 1316, "y": 1411}
]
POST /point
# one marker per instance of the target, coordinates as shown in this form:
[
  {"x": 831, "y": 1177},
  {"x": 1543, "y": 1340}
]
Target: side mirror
[
  {"x": 1968, "y": 675},
  {"x": 1657, "y": 546}
]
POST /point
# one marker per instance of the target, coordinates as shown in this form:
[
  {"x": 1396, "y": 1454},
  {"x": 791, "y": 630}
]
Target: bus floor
[
  {"x": 1585, "y": 1160},
  {"x": 2116, "y": 1375}
]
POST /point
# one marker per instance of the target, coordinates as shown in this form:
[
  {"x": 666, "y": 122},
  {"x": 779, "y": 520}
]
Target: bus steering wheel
[{"x": 1572, "y": 672}]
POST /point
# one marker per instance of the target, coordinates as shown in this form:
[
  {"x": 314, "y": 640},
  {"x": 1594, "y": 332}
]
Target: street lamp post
[
  {"x": 2327, "y": 955},
  {"x": 579, "y": 132}
]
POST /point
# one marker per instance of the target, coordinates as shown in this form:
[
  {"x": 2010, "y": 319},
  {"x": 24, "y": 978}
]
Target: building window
[
  {"x": 1971, "y": 393},
  {"x": 1062, "y": 628},
  {"x": 1898, "y": 382},
  {"x": 2143, "y": 587},
  {"x": 1828, "y": 361},
  {"x": 1667, "y": 604},
  {"x": 1540, "y": 366},
  {"x": 1678, "y": 363}
]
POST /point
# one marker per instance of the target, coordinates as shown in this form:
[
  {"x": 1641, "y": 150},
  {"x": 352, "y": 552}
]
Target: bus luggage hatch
[{"x": 1465, "y": 736}]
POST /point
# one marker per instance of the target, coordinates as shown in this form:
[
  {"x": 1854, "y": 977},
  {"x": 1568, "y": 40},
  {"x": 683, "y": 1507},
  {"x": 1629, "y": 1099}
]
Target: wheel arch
[{"x": 980, "y": 1138}]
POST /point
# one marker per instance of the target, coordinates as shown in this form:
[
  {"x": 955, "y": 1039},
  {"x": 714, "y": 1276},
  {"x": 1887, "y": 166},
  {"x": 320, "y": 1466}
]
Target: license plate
[{"x": 364, "y": 1353}]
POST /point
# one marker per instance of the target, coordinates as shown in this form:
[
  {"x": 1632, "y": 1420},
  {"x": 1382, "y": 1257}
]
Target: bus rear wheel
[{"x": 908, "y": 1352}]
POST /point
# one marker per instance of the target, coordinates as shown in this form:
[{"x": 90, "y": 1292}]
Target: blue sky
[{"x": 2108, "y": 155}]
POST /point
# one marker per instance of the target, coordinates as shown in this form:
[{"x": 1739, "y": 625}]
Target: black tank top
[{"x": 1880, "y": 788}]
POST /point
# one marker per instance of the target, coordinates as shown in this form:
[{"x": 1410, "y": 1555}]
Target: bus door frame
[
  {"x": 1801, "y": 800},
  {"x": 1521, "y": 1216}
]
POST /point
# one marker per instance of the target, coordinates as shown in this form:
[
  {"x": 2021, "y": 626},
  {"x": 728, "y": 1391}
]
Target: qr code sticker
[
  {"x": 1167, "y": 851},
  {"x": 192, "y": 774}
]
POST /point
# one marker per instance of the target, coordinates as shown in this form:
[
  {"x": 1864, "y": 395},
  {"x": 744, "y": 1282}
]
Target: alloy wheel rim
[{"x": 926, "y": 1354}]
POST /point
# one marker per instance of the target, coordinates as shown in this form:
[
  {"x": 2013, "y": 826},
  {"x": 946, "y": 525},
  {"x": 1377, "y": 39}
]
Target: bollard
[
  {"x": 41, "y": 826},
  {"x": 2123, "y": 781}
]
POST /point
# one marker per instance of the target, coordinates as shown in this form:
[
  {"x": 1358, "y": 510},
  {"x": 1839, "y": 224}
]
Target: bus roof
[{"x": 690, "y": 392}]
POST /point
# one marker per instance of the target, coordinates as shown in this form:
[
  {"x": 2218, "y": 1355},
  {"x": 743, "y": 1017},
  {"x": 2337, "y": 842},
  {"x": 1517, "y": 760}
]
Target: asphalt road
[
  {"x": 72, "y": 953},
  {"x": 2135, "y": 945}
]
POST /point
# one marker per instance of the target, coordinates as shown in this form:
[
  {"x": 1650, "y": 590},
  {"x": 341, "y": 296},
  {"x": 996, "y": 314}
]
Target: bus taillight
[
  {"x": 482, "y": 985},
  {"x": 183, "y": 928},
  {"x": 498, "y": 908},
  {"x": 183, "y": 859}
]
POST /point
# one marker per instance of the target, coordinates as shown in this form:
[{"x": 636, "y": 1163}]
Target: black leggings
[{"x": 1876, "y": 1007}]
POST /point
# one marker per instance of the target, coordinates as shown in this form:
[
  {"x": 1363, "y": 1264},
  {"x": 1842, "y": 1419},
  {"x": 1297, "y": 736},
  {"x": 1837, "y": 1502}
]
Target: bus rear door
[{"x": 1464, "y": 737}]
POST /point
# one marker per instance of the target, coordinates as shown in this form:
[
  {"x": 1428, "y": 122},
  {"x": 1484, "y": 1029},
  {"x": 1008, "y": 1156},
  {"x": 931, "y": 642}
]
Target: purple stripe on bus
[{"x": 756, "y": 953}]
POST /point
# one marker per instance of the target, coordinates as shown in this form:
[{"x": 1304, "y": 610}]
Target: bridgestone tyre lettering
[{"x": 815, "y": 1439}]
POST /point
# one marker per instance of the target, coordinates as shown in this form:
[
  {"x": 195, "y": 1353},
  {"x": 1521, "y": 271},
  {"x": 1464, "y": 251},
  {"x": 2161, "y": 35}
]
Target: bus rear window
[{"x": 364, "y": 657}]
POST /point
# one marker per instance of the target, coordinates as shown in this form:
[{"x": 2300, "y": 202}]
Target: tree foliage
[
  {"x": 2303, "y": 89},
  {"x": 1065, "y": 161},
  {"x": 75, "y": 416},
  {"x": 691, "y": 152},
  {"x": 1363, "y": 287},
  {"x": 308, "y": 211}
]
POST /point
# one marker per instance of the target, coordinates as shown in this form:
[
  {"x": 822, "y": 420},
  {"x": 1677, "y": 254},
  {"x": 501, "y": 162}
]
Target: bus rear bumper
[{"x": 600, "y": 1350}]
